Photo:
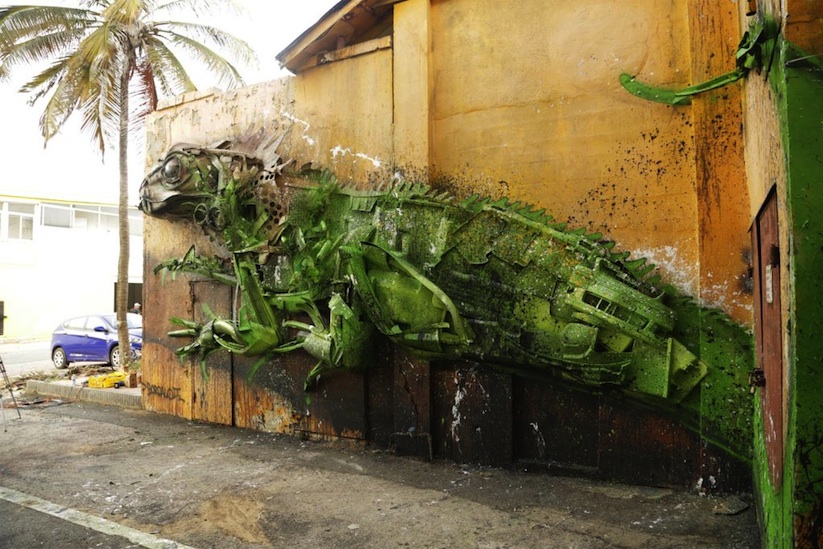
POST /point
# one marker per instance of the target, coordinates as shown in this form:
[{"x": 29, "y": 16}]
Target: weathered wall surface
[
  {"x": 559, "y": 131},
  {"x": 340, "y": 120},
  {"x": 506, "y": 99}
]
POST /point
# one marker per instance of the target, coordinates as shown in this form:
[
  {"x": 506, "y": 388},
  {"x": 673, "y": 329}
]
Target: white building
[{"x": 59, "y": 259}]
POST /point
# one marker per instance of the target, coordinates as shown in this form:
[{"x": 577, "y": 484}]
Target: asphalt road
[
  {"x": 25, "y": 527},
  {"x": 24, "y": 358}
]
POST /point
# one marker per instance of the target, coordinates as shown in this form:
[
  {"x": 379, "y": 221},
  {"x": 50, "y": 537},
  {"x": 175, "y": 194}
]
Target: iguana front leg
[
  {"x": 248, "y": 339},
  {"x": 193, "y": 263},
  {"x": 391, "y": 296},
  {"x": 340, "y": 347}
]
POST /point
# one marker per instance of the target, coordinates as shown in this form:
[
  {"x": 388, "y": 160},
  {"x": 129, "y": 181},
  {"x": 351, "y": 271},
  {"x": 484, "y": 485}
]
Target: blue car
[{"x": 93, "y": 338}]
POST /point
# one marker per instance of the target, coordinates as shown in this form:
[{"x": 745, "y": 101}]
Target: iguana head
[{"x": 191, "y": 178}]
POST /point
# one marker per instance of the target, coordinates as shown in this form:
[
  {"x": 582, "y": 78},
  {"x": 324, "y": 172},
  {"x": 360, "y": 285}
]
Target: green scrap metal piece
[{"x": 756, "y": 45}]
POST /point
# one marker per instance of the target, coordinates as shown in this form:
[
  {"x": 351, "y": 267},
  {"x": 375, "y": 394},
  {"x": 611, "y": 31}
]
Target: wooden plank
[
  {"x": 638, "y": 446},
  {"x": 341, "y": 26},
  {"x": 380, "y": 395},
  {"x": 472, "y": 414},
  {"x": 555, "y": 428},
  {"x": 212, "y": 395},
  {"x": 412, "y": 405},
  {"x": 336, "y": 407},
  {"x": 166, "y": 383},
  {"x": 348, "y": 52},
  {"x": 273, "y": 399}
]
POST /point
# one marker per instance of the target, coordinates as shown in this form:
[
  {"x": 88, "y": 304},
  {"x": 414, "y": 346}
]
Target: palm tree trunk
[{"x": 123, "y": 224}]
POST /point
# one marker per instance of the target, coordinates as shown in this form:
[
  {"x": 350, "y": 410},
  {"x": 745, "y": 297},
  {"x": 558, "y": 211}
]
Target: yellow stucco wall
[
  {"x": 337, "y": 116},
  {"x": 345, "y": 112},
  {"x": 530, "y": 96},
  {"x": 526, "y": 102}
]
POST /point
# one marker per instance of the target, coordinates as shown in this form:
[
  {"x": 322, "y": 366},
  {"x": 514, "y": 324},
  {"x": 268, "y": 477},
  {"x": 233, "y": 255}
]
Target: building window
[
  {"x": 17, "y": 221},
  {"x": 56, "y": 216},
  {"x": 135, "y": 223}
]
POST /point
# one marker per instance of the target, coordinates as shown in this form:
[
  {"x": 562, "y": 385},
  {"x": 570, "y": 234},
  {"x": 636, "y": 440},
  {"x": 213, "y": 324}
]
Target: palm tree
[{"x": 101, "y": 55}]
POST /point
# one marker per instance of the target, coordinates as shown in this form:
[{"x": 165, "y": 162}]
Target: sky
[{"x": 70, "y": 167}]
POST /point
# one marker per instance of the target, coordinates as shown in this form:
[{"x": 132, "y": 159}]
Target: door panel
[
  {"x": 74, "y": 339},
  {"x": 769, "y": 330},
  {"x": 96, "y": 344}
]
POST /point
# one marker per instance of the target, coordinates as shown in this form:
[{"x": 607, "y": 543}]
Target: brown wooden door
[{"x": 769, "y": 330}]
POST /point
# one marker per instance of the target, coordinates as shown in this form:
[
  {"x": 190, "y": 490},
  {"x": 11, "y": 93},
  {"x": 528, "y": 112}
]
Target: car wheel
[
  {"x": 59, "y": 358},
  {"x": 114, "y": 357}
]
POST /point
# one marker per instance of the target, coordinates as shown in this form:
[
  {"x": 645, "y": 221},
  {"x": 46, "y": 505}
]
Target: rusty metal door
[{"x": 769, "y": 330}]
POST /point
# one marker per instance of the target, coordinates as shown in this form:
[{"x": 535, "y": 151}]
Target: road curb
[{"x": 127, "y": 398}]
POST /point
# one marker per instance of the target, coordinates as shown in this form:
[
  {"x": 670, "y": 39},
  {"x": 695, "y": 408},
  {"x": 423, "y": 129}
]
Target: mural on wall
[{"x": 326, "y": 267}]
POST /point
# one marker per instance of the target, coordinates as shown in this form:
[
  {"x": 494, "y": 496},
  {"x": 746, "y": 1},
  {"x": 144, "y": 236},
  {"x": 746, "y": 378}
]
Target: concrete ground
[{"x": 129, "y": 478}]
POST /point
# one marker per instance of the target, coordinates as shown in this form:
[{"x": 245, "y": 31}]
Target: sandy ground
[{"x": 211, "y": 486}]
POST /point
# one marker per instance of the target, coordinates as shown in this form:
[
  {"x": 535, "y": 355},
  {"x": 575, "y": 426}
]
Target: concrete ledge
[{"x": 127, "y": 398}]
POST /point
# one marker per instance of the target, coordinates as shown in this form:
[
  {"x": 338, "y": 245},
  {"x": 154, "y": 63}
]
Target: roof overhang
[{"x": 343, "y": 25}]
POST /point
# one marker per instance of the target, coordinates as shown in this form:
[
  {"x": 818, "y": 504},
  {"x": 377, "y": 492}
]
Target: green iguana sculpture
[
  {"x": 324, "y": 267},
  {"x": 480, "y": 280}
]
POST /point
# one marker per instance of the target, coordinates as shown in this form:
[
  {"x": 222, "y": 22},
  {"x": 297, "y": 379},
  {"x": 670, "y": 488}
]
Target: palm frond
[
  {"x": 100, "y": 61},
  {"x": 235, "y": 47},
  {"x": 65, "y": 95},
  {"x": 19, "y": 23},
  {"x": 199, "y": 8},
  {"x": 123, "y": 12},
  {"x": 36, "y": 50},
  {"x": 101, "y": 104},
  {"x": 227, "y": 75},
  {"x": 31, "y": 35},
  {"x": 167, "y": 69}
]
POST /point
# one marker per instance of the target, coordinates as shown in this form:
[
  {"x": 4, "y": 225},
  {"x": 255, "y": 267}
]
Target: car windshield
[{"x": 135, "y": 321}]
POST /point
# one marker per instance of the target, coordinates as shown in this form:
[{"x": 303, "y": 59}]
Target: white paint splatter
[
  {"x": 459, "y": 395},
  {"x": 337, "y": 150},
  {"x": 306, "y": 126},
  {"x": 541, "y": 442},
  {"x": 684, "y": 276}
]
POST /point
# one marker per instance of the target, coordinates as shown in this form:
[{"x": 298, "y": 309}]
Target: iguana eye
[{"x": 172, "y": 171}]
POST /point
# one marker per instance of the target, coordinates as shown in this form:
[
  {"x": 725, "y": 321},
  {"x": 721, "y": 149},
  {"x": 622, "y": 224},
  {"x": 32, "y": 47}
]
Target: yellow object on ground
[{"x": 105, "y": 381}]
